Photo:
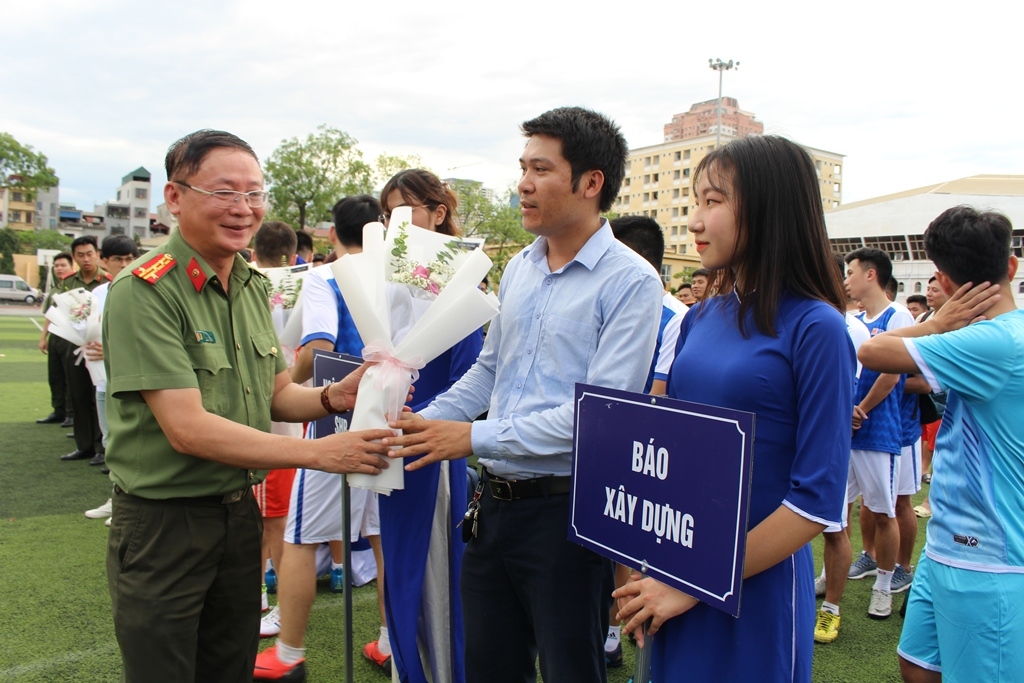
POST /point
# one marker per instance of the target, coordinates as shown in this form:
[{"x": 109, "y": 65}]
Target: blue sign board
[
  {"x": 330, "y": 367},
  {"x": 662, "y": 485}
]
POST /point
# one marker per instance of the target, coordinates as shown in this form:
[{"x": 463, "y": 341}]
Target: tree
[
  {"x": 308, "y": 176},
  {"x": 23, "y": 167},
  {"x": 498, "y": 222},
  {"x": 387, "y": 165},
  {"x": 9, "y": 246}
]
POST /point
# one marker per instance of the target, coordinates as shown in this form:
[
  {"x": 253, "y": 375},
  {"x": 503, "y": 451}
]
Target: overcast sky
[{"x": 912, "y": 93}]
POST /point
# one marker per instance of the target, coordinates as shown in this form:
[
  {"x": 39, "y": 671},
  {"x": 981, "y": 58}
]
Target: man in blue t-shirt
[{"x": 964, "y": 620}]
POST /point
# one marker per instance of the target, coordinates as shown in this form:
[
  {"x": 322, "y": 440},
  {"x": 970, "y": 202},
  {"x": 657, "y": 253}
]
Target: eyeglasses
[{"x": 225, "y": 199}]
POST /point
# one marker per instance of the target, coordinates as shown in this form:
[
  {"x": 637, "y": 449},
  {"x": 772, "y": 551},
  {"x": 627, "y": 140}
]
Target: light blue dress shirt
[{"x": 595, "y": 321}]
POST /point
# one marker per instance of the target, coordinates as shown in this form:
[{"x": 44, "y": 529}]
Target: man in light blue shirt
[
  {"x": 964, "y": 620},
  {"x": 576, "y": 306}
]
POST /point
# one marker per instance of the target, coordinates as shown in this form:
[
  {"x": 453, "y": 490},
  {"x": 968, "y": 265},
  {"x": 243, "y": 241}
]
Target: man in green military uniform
[
  {"x": 81, "y": 391},
  {"x": 195, "y": 377},
  {"x": 62, "y": 265}
]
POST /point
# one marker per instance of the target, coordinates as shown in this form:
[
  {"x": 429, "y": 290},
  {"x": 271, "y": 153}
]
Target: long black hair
[{"x": 781, "y": 226}]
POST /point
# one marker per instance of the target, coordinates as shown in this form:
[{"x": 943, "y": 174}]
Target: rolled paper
[
  {"x": 370, "y": 323},
  {"x": 370, "y": 413}
]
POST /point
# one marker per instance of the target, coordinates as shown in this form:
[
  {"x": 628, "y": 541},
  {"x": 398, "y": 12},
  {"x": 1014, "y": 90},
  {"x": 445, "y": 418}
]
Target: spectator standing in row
[
  {"x": 59, "y": 399},
  {"x": 700, "y": 280}
]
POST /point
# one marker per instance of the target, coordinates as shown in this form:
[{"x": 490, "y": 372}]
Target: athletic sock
[
  {"x": 822, "y": 573},
  {"x": 612, "y": 641},
  {"x": 289, "y": 655},
  {"x": 384, "y": 643},
  {"x": 336, "y": 565},
  {"x": 830, "y": 608},
  {"x": 883, "y": 581}
]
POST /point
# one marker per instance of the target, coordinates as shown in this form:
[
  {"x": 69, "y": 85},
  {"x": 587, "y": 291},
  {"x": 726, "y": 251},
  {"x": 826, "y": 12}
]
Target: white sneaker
[
  {"x": 107, "y": 522},
  {"x": 100, "y": 512},
  {"x": 881, "y": 604},
  {"x": 820, "y": 585},
  {"x": 270, "y": 625}
]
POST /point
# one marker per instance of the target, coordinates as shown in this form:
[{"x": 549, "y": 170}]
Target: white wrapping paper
[
  {"x": 75, "y": 317},
  {"x": 442, "y": 282},
  {"x": 286, "y": 304}
]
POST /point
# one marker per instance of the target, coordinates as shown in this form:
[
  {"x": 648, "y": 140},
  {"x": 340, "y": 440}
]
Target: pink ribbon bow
[{"x": 395, "y": 375}]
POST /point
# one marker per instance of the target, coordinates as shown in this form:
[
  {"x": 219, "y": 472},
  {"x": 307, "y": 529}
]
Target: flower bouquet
[
  {"x": 428, "y": 275},
  {"x": 75, "y": 317},
  {"x": 286, "y": 304}
]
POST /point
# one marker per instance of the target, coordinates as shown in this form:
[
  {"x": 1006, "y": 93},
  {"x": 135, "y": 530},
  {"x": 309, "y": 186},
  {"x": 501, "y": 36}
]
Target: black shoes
[
  {"x": 68, "y": 422},
  {"x": 50, "y": 419},
  {"x": 98, "y": 459},
  {"x": 78, "y": 455}
]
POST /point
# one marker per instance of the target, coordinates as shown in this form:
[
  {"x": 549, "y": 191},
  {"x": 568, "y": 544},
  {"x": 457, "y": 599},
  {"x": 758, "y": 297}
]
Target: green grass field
[{"x": 55, "y": 610}]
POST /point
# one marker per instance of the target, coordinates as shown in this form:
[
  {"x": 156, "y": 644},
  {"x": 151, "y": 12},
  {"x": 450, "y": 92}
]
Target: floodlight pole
[{"x": 721, "y": 67}]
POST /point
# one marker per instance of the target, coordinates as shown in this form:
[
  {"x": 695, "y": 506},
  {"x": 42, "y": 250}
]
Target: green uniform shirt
[
  {"x": 73, "y": 281},
  {"x": 180, "y": 330}
]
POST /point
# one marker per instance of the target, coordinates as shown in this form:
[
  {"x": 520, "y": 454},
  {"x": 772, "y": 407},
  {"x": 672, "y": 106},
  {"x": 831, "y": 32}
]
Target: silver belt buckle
[{"x": 501, "y": 490}]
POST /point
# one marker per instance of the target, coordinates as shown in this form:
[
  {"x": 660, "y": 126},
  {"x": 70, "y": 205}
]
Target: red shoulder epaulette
[
  {"x": 155, "y": 268},
  {"x": 108, "y": 277},
  {"x": 73, "y": 272}
]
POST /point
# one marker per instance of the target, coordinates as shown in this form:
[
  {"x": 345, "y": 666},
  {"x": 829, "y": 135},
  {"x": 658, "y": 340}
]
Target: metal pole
[
  {"x": 346, "y": 545},
  {"x": 718, "y": 126}
]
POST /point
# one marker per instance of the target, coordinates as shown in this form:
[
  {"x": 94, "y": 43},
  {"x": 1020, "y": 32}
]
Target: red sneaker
[
  {"x": 373, "y": 654},
  {"x": 270, "y": 668}
]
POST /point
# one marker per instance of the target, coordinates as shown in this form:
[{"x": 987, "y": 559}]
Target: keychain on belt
[{"x": 472, "y": 514}]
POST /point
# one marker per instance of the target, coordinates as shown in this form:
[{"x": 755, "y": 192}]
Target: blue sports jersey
[
  {"x": 883, "y": 430},
  {"x": 666, "y": 315},
  {"x": 799, "y": 384},
  {"x": 977, "y": 493},
  {"x": 910, "y": 418}
]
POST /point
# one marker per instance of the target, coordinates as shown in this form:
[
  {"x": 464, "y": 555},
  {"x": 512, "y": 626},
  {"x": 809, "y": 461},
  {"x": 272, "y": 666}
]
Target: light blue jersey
[{"x": 977, "y": 492}]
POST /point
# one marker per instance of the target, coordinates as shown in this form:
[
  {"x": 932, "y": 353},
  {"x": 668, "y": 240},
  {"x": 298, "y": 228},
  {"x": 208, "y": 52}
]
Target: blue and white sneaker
[
  {"x": 901, "y": 579},
  {"x": 338, "y": 580},
  {"x": 864, "y": 566},
  {"x": 270, "y": 579}
]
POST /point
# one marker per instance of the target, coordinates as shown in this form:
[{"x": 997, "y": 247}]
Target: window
[
  {"x": 686, "y": 211},
  {"x": 141, "y": 212},
  {"x": 1020, "y": 289},
  {"x": 900, "y": 288},
  {"x": 686, "y": 173},
  {"x": 678, "y": 156},
  {"x": 675, "y": 212},
  {"x": 917, "y": 288},
  {"x": 893, "y": 245},
  {"x": 844, "y": 245},
  {"x": 626, "y": 183},
  {"x": 14, "y": 216},
  {"x": 686, "y": 155},
  {"x": 675, "y": 229},
  {"x": 666, "y": 272},
  {"x": 835, "y": 188},
  {"x": 647, "y": 178},
  {"x": 917, "y": 247},
  {"x": 647, "y": 196},
  {"x": 654, "y": 196},
  {"x": 676, "y": 175},
  {"x": 675, "y": 193},
  {"x": 119, "y": 195},
  {"x": 141, "y": 193},
  {"x": 6, "y": 284},
  {"x": 654, "y": 177},
  {"x": 1017, "y": 243},
  {"x": 686, "y": 192},
  {"x": 17, "y": 197}
]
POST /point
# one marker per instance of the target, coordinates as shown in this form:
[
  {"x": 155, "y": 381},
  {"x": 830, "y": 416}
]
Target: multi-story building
[
  {"x": 895, "y": 223},
  {"x": 702, "y": 119},
  {"x": 658, "y": 180},
  {"x": 128, "y": 214}
]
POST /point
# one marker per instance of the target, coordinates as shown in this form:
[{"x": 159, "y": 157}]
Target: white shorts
[
  {"x": 314, "y": 513},
  {"x": 846, "y": 513},
  {"x": 908, "y": 482},
  {"x": 872, "y": 475}
]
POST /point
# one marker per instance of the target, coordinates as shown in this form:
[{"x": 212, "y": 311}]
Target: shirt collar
[
  {"x": 189, "y": 259},
  {"x": 588, "y": 256}
]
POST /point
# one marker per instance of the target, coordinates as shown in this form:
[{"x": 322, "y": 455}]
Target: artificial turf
[{"x": 55, "y": 610}]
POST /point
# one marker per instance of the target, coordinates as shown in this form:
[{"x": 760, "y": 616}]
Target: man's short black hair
[
  {"x": 186, "y": 155},
  {"x": 303, "y": 241},
  {"x": 275, "y": 243},
  {"x": 643, "y": 235},
  {"x": 64, "y": 255},
  {"x": 351, "y": 214},
  {"x": 969, "y": 245},
  {"x": 919, "y": 299},
  {"x": 932, "y": 279},
  {"x": 685, "y": 285},
  {"x": 590, "y": 141},
  {"x": 892, "y": 288},
  {"x": 873, "y": 259},
  {"x": 83, "y": 241},
  {"x": 701, "y": 272},
  {"x": 119, "y": 245}
]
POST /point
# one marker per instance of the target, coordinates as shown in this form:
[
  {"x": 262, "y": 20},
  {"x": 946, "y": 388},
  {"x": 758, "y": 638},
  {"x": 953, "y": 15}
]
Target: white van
[{"x": 13, "y": 288}]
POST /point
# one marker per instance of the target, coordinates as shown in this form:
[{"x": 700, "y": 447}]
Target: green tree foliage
[
  {"x": 21, "y": 166},
  {"x": 9, "y": 244},
  {"x": 308, "y": 176},
  {"x": 387, "y": 165},
  {"x": 498, "y": 222}
]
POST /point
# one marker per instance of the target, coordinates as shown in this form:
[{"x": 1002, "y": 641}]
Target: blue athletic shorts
[{"x": 969, "y": 625}]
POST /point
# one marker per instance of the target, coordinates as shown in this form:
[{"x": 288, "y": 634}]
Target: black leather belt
[
  {"x": 508, "y": 489},
  {"x": 226, "y": 499}
]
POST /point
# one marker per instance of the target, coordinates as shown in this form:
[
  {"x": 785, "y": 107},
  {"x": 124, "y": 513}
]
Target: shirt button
[
  {"x": 519, "y": 385},
  {"x": 529, "y": 351},
  {"x": 538, "y": 316},
  {"x": 548, "y": 281},
  {"x": 248, "y": 390},
  {"x": 238, "y": 346}
]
